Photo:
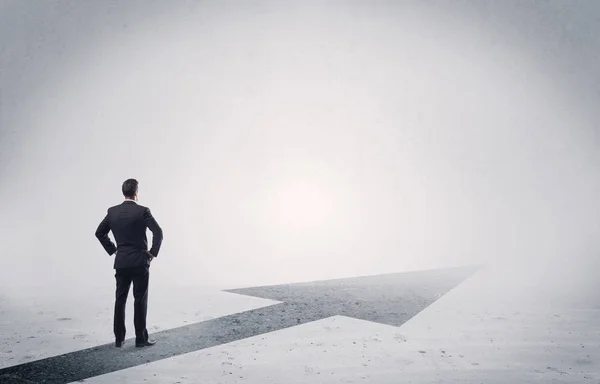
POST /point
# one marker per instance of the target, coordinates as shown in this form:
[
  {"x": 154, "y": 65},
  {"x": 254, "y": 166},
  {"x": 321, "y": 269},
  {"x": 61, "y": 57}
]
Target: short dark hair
[{"x": 130, "y": 187}]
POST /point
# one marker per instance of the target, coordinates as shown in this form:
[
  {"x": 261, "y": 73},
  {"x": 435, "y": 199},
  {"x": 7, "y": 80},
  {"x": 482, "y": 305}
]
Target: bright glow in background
[{"x": 278, "y": 142}]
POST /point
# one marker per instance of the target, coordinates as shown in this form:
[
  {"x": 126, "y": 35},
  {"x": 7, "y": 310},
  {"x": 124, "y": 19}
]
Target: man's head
[{"x": 130, "y": 189}]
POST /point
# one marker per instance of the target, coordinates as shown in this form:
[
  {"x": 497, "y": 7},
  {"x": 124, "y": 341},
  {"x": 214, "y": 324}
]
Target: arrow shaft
[{"x": 105, "y": 359}]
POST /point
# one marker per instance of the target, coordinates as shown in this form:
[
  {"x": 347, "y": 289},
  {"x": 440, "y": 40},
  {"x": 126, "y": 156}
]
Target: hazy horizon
[{"x": 300, "y": 141}]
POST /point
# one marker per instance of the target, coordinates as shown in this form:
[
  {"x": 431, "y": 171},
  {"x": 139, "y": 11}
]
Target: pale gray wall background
[{"x": 291, "y": 141}]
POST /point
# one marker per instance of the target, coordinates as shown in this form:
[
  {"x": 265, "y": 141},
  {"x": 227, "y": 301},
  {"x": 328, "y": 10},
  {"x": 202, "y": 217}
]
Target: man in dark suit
[{"x": 128, "y": 222}]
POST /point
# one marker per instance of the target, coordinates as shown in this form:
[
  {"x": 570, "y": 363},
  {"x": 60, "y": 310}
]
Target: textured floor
[{"x": 491, "y": 328}]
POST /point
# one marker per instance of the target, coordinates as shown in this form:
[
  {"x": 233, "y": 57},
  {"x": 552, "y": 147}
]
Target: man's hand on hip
[{"x": 150, "y": 256}]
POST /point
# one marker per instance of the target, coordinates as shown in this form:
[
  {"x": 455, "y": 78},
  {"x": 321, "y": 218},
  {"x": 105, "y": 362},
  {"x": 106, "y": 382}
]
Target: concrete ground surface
[{"x": 497, "y": 326}]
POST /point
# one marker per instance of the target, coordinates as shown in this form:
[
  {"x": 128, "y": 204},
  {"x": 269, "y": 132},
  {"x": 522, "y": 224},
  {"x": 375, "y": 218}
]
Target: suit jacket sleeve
[
  {"x": 157, "y": 233},
  {"x": 102, "y": 236}
]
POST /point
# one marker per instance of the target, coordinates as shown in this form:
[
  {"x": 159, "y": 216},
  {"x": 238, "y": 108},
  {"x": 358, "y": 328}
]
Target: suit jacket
[{"x": 128, "y": 222}]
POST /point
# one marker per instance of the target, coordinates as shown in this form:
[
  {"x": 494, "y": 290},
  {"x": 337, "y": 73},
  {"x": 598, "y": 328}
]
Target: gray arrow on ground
[{"x": 390, "y": 299}]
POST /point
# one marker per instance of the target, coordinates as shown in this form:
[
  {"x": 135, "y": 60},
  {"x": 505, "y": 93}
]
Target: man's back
[{"x": 128, "y": 222}]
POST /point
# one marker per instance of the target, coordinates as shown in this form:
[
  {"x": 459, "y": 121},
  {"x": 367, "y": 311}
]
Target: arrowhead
[{"x": 390, "y": 299}]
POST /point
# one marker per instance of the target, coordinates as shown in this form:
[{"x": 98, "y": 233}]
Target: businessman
[{"x": 128, "y": 222}]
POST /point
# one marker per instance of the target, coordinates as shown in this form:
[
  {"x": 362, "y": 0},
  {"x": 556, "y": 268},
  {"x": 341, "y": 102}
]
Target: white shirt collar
[{"x": 126, "y": 200}]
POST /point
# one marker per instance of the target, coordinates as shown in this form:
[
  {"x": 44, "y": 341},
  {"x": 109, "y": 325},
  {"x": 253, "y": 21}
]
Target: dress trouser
[{"x": 140, "y": 277}]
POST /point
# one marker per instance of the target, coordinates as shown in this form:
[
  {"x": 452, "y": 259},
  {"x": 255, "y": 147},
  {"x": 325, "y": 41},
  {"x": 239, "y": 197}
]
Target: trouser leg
[
  {"x": 123, "y": 279},
  {"x": 140, "y": 295}
]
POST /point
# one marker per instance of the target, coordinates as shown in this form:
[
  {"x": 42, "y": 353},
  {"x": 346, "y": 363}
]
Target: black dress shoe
[
  {"x": 147, "y": 343},
  {"x": 118, "y": 344}
]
